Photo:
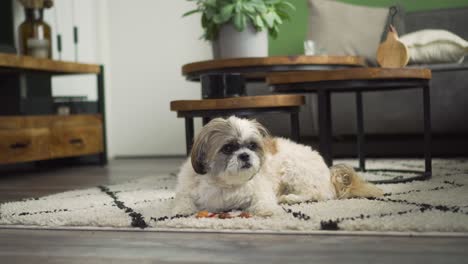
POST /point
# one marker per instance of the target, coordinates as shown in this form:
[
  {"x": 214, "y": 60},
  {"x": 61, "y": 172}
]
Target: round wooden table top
[{"x": 257, "y": 68}]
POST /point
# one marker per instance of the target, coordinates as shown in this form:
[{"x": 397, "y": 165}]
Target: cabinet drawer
[
  {"x": 73, "y": 140},
  {"x": 19, "y": 145}
]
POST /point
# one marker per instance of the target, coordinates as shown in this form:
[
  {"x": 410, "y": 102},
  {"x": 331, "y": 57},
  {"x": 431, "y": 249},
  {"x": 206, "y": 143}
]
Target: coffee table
[{"x": 256, "y": 69}]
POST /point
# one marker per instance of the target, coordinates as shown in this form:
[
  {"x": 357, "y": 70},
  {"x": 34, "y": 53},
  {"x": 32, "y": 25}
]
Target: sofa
[{"x": 393, "y": 120}]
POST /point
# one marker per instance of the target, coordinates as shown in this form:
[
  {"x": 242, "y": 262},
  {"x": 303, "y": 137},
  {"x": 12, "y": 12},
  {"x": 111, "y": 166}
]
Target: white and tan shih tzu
[{"x": 236, "y": 165}]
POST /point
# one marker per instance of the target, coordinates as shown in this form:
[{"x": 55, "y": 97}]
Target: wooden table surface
[
  {"x": 257, "y": 68},
  {"x": 13, "y": 62}
]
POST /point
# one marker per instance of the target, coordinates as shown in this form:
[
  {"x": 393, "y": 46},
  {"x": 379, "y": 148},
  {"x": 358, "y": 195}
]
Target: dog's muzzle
[{"x": 245, "y": 158}]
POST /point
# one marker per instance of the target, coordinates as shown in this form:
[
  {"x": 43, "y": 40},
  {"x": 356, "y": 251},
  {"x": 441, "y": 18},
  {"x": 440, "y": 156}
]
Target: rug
[{"x": 437, "y": 205}]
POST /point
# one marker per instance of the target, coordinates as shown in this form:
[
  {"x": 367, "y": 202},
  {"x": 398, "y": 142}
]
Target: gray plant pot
[{"x": 234, "y": 44}]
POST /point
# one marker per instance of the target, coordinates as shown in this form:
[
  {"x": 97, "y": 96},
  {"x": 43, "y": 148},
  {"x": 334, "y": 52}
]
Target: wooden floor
[{"x": 48, "y": 246}]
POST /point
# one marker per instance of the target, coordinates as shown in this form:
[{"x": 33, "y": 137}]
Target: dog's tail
[{"x": 348, "y": 184}]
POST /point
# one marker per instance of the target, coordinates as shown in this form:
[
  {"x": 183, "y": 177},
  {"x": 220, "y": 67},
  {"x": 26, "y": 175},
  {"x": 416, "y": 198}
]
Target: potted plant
[{"x": 238, "y": 28}]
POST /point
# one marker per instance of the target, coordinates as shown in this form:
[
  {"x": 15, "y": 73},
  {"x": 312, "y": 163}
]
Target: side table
[{"x": 357, "y": 80}]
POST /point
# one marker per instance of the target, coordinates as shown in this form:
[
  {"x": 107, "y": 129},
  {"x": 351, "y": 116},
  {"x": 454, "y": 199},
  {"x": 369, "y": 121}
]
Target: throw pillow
[
  {"x": 346, "y": 29},
  {"x": 435, "y": 46}
]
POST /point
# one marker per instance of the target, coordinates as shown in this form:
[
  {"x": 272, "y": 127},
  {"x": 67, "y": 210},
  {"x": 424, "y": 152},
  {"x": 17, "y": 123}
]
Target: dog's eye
[
  {"x": 252, "y": 146},
  {"x": 229, "y": 148}
]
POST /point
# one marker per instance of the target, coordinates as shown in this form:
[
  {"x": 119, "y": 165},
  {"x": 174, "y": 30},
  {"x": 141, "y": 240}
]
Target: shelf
[{"x": 13, "y": 62}]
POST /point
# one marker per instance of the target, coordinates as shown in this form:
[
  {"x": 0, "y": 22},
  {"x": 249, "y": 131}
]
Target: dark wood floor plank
[
  {"x": 103, "y": 246},
  {"x": 33, "y": 182}
]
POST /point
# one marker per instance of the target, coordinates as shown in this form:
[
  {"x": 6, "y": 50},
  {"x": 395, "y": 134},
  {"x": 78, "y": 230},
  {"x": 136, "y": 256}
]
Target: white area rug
[{"x": 437, "y": 205}]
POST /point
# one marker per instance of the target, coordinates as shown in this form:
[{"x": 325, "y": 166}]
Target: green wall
[{"x": 293, "y": 32}]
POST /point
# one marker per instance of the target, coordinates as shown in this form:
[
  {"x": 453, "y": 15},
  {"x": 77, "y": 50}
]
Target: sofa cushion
[
  {"x": 435, "y": 46},
  {"x": 345, "y": 29}
]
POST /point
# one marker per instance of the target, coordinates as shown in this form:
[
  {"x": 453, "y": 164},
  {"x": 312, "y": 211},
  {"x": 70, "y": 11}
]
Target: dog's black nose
[{"x": 244, "y": 156}]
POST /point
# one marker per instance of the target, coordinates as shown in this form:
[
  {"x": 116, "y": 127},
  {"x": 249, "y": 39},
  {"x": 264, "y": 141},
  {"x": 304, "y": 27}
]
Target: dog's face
[{"x": 230, "y": 151}]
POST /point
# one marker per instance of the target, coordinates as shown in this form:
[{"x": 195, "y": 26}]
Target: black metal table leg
[
  {"x": 325, "y": 126},
  {"x": 360, "y": 132},
  {"x": 206, "y": 120},
  {"x": 295, "y": 133},
  {"x": 427, "y": 131},
  {"x": 188, "y": 134},
  {"x": 102, "y": 110}
]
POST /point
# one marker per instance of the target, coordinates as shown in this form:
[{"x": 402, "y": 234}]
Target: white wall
[
  {"x": 149, "y": 41},
  {"x": 143, "y": 45}
]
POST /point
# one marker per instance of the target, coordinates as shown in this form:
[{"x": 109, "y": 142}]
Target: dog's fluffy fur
[{"x": 236, "y": 165}]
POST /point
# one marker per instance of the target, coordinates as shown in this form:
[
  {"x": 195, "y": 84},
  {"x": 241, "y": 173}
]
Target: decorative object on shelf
[
  {"x": 238, "y": 28},
  {"x": 311, "y": 48},
  {"x": 392, "y": 53},
  {"x": 435, "y": 46},
  {"x": 35, "y": 34},
  {"x": 65, "y": 105}
]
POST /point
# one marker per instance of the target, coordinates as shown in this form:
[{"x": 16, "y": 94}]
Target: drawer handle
[
  {"x": 19, "y": 145},
  {"x": 76, "y": 141}
]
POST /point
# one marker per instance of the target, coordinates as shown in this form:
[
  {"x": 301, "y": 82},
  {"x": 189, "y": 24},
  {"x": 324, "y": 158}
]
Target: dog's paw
[
  {"x": 184, "y": 209},
  {"x": 290, "y": 199},
  {"x": 267, "y": 211}
]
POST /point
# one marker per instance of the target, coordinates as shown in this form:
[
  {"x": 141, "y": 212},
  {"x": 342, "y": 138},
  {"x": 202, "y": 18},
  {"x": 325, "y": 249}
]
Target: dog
[{"x": 236, "y": 165}]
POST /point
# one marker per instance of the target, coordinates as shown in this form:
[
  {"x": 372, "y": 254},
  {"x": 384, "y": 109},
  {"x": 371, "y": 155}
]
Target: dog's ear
[
  {"x": 202, "y": 142},
  {"x": 261, "y": 129},
  {"x": 269, "y": 142},
  {"x": 198, "y": 155}
]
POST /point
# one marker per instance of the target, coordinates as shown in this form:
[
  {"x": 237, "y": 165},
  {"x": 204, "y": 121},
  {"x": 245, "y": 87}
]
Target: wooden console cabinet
[{"x": 26, "y": 138}]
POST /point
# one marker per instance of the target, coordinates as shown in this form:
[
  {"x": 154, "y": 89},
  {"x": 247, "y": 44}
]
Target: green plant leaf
[
  {"x": 191, "y": 12},
  {"x": 240, "y": 21},
  {"x": 286, "y": 5},
  {"x": 204, "y": 21},
  {"x": 226, "y": 11},
  {"x": 210, "y": 3},
  {"x": 269, "y": 19},
  {"x": 224, "y": 15},
  {"x": 238, "y": 6},
  {"x": 249, "y": 7},
  {"x": 259, "y": 21},
  {"x": 210, "y": 13},
  {"x": 283, "y": 15},
  {"x": 262, "y": 14},
  {"x": 259, "y": 6},
  {"x": 218, "y": 19},
  {"x": 276, "y": 18}
]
